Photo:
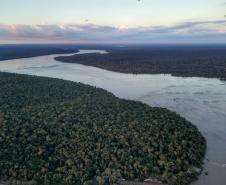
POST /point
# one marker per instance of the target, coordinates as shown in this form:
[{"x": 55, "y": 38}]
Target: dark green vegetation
[
  {"x": 59, "y": 132},
  {"x": 26, "y": 51},
  {"x": 178, "y": 61}
]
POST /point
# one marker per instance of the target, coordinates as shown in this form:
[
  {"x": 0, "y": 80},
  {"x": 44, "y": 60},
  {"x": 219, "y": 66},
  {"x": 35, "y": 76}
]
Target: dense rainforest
[
  {"x": 179, "y": 61},
  {"x": 9, "y": 52},
  {"x": 60, "y": 132}
]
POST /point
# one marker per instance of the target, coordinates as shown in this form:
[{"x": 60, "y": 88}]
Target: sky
[{"x": 112, "y": 21}]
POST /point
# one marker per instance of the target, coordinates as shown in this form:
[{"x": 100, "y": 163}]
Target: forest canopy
[
  {"x": 60, "y": 132},
  {"x": 10, "y": 52},
  {"x": 185, "y": 61}
]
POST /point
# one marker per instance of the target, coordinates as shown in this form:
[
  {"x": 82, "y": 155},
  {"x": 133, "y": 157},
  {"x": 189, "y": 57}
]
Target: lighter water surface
[{"x": 200, "y": 100}]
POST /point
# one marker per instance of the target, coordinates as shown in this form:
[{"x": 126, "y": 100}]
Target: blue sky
[{"x": 107, "y": 21}]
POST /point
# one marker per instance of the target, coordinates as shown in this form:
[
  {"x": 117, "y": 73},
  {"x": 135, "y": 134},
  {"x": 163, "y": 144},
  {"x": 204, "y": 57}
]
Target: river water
[{"x": 202, "y": 101}]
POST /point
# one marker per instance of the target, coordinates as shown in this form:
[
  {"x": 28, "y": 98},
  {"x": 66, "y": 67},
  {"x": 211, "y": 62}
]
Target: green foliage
[{"x": 60, "y": 132}]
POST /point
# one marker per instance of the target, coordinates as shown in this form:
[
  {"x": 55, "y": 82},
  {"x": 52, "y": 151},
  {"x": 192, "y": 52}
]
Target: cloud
[{"x": 193, "y": 31}]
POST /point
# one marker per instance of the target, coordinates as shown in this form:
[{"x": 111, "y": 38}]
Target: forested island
[
  {"x": 60, "y": 132},
  {"x": 9, "y": 52},
  {"x": 185, "y": 61}
]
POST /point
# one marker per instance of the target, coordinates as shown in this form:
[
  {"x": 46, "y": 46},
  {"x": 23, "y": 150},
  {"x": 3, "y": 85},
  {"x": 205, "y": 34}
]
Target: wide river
[{"x": 202, "y": 101}]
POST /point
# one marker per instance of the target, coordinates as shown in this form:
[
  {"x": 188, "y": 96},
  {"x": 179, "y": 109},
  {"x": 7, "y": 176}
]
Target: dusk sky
[{"x": 112, "y": 21}]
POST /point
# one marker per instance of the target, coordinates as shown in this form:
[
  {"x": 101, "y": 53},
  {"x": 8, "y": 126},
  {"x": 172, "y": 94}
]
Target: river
[{"x": 202, "y": 101}]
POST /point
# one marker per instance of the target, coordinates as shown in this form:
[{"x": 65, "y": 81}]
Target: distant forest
[
  {"x": 194, "y": 61},
  {"x": 26, "y": 51}
]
